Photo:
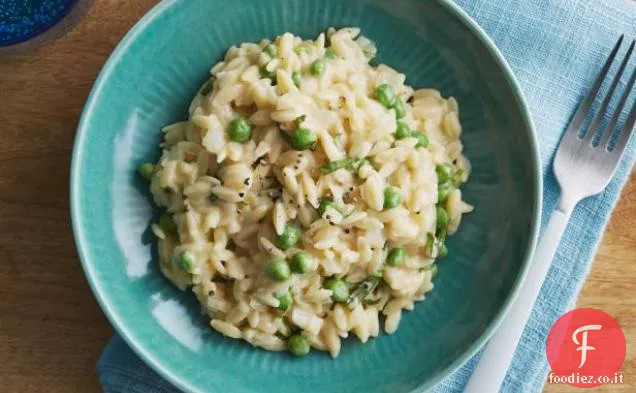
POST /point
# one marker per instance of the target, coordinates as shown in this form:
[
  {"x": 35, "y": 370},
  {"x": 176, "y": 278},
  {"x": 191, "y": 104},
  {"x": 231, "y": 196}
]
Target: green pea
[
  {"x": 402, "y": 131},
  {"x": 146, "y": 170},
  {"x": 240, "y": 130},
  {"x": 396, "y": 256},
  {"x": 289, "y": 237},
  {"x": 186, "y": 261},
  {"x": 167, "y": 224},
  {"x": 442, "y": 191},
  {"x": 301, "y": 263},
  {"x": 422, "y": 140},
  {"x": 295, "y": 76},
  {"x": 303, "y": 139},
  {"x": 325, "y": 204},
  {"x": 271, "y": 50},
  {"x": 278, "y": 270},
  {"x": 444, "y": 172},
  {"x": 330, "y": 54},
  {"x": 339, "y": 290},
  {"x": 298, "y": 345},
  {"x": 386, "y": 95},
  {"x": 399, "y": 108},
  {"x": 442, "y": 218},
  {"x": 392, "y": 197},
  {"x": 318, "y": 67},
  {"x": 285, "y": 301}
]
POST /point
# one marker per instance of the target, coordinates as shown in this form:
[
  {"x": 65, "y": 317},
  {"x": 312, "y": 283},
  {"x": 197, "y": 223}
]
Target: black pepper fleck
[
  {"x": 246, "y": 181},
  {"x": 296, "y": 167},
  {"x": 241, "y": 194},
  {"x": 347, "y": 231}
]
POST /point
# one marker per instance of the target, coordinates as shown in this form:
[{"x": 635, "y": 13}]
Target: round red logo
[{"x": 586, "y": 348}]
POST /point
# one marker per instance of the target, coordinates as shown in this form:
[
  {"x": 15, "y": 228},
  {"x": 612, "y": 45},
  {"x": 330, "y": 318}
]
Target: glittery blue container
[{"x": 27, "y": 24}]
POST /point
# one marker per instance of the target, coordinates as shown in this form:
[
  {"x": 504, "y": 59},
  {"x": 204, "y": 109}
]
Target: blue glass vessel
[{"x": 26, "y": 24}]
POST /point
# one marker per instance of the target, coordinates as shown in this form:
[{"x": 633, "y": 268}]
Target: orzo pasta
[{"x": 309, "y": 193}]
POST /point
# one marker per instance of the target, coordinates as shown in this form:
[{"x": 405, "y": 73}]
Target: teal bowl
[{"x": 148, "y": 82}]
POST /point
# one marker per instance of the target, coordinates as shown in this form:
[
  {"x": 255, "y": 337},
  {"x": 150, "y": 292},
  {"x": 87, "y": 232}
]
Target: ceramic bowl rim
[{"x": 103, "y": 298}]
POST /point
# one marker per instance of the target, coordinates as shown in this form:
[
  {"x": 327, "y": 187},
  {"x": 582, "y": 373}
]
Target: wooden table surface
[{"x": 51, "y": 328}]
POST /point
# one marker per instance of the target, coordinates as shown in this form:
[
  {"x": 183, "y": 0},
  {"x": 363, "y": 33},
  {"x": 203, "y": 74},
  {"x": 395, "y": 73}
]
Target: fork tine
[
  {"x": 625, "y": 132},
  {"x": 609, "y": 129},
  {"x": 591, "y": 132},
  {"x": 575, "y": 124}
]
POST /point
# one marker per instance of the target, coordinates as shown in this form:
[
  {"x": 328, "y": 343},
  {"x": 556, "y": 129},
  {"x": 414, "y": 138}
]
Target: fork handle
[{"x": 493, "y": 365}]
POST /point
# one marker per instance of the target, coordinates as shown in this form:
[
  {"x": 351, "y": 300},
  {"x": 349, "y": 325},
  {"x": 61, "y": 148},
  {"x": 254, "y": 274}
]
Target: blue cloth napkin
[{"x": 555, "y": 48}]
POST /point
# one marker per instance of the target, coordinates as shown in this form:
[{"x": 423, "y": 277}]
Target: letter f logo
[{"x": 583, "y": 344}]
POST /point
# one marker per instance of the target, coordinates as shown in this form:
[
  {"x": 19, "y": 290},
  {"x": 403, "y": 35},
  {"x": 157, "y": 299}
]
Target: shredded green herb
[
  {"x": 435, "y": 246},
  {"x": 364, "y": 289},
  {"x": 432, "y": 268},
  {"x": 302, "y": 48},
  {"x": 207, "y": 87},
  {"x": 299, "y": 120},
  {"x": 457, "y": 176},
  {"x": 335, "y": 165},
  {"x": 429, "y": 247},
  {"x": 349, "y": 163}
]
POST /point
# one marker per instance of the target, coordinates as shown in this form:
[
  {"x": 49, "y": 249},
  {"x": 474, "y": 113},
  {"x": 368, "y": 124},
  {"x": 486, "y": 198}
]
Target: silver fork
[{"x": 583, "y": 168}]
